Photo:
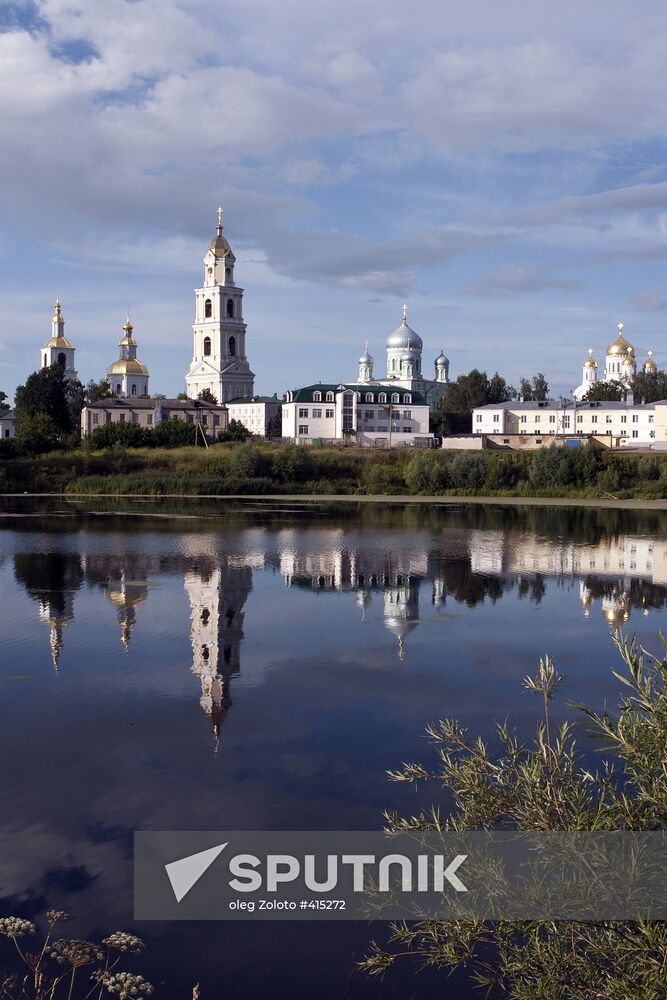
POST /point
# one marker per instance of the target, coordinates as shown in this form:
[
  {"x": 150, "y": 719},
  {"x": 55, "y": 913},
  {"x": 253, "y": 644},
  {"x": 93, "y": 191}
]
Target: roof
[
  {"x": 8, "y": 415},
  {"x": 127, "y": 366},
  {"x": 552, "y": 404},
  {"x": 137, "y": 403},
  {"x": 255, "y": 399},
  {"x": 58, "y": 342},
  {"x": 305, "y": 394}
]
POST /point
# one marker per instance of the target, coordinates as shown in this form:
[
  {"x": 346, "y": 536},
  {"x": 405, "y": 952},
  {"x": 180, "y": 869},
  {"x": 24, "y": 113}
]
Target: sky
[{"x": 501, "y": 168}]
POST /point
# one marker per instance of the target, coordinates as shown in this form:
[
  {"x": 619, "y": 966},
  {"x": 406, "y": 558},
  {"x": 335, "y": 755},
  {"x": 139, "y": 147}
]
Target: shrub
[
  {"x": 127, "y": 434},
  {"x": 467, "y": 472},
  {"x": 425, "y": 473},
  {"x": 247, "y": 461},
  {"x": 173, "y": 433}
]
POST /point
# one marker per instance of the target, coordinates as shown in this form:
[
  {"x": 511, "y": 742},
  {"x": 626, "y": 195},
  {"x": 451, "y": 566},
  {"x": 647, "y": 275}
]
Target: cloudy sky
[{"x": 502, "y": 168}]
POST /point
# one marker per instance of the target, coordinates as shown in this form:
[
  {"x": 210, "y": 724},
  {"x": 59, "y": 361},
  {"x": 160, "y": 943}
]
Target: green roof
[{"x": 305, "y": 394}]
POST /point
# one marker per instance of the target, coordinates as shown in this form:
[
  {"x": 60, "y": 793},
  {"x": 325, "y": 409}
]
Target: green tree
[
  {"x": 48, "y": 393},
  {"x": 536, "y": 388},
  {"x": 274, "y": 428},
  {"x": 607, "y": 392},
  {"x": 97, "y": 391},
  {"x": 173, "y": 433},
  {"x": 425, "y": 473},
  {"x": 546, "y": 784},
  {"x": 207, "y": 397},
  {"x": 650, "y": 386},
  {"x": 247, "y": 461},
  {"x": 234, "y": 431},
  {"x": 4, "y": 405},
  {"x": 127, "y": 434},
  {"x": 36, "y": 433},
  {"x": 293, "y": 463},
  {"x": 498, "y": 391}
]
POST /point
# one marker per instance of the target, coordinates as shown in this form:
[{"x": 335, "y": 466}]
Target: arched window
[
  {"x": 369, "y": 397},
  {"x": 317, "y": 397},
  {"x": 232, "y": 346},
  {"x": 118, "y": 389},
  {"x": 208, "y": 309},
  {"x": 134, "y": 389},
  {"x": 46, "y": 361},
  {"x": 382, "y": 398},
  {"x": 394, "y": 397},
  {"x": 230, "y": 308},
  {"x": 330, "y": 397},
  {"x": 207, "y": 346},
  {"x": 62, "y": 360},
  {"x": 407, "y": 398}
]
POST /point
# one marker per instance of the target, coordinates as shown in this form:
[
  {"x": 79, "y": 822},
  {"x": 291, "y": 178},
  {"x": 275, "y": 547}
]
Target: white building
[
  {"x": 7, "y": 424},
  {"x": 57, "y": 350},
  {"x": 404, "y": 365},
  {"x": 255, "y": 413},
  {"x": 377, "y": 414},
  {"x": 205, "y": 418},
  {"x": 219, "y": 361},
  {"x": 613, "y": 423},
  {"x": 128, "y": 377},
  {"x": 620, "y": 365}
]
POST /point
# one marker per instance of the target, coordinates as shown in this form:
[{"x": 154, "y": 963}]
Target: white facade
[
  {"x": 219, "y": 361},
  {"x": 57, "y": 350},
  {"x": 128, "y": 377},
  {"x": 404, "y": 349},
  {"x": 7, "y": 424},
  {"x": 377, "y": 415},
  {"x": 623, "y": 423},
  {"x": 255, "y": 413}
]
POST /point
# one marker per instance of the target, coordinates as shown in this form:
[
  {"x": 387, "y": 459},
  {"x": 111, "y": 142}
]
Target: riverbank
[{"x": 273, "y": 470}]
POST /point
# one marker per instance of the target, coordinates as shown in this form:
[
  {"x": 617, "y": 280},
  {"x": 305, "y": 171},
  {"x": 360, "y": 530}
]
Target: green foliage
[
  {"x": 207, "y": 397},
  {"x": 425, "y": 473},
  {"x": 454, "y": 413},
  {"x": 467, "y": 471},
  {"x": 4, "y": 405},
  {"x": 96, "y": 391},
  {"x": 36, "y": 433},
  {"x": 247, "y": 461},
  {"x": 545, "y": 784},
  {"x": 173, "y": 433},
  {"x": 650, "y": 386},
  {"x": 235, "y": 431},
  {"x": 127, "y": 434},
  {"x": 274, "y": 428},
  {"x": 293, "y": 464},
  {"x": 48, "y": 393},
  {"x": 607, "y": 391},
  {"x": 536, "y": 388}
]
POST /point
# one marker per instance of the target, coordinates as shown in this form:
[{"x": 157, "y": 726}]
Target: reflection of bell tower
[
  {"x": 57, "y": 615},
  {"x": 401, "y": 608},
  {"x": 51, "y": 579},
  {"x": 126, "y": 595},
  {"x": 217, "y": 597}
]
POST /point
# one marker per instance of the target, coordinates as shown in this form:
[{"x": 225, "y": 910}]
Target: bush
[
  {"x": 293, "y": 463},
  {"x": 36, "y": 434},
  {"x": 247, "y": 461},
  {"x": 425, "y": 473},
  {"x": 467, "y": 472},
  {"x": 129, "y": 435},
  {"x": 173, "y": 433}
]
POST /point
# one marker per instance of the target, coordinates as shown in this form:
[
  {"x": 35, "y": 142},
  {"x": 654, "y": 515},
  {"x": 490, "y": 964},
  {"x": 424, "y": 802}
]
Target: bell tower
[
  {"x": 57, "y": 350},
  {"x": 219, "y": 361}
]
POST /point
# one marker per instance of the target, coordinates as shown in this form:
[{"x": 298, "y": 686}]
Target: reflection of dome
[{"x": 621, "y": 347}]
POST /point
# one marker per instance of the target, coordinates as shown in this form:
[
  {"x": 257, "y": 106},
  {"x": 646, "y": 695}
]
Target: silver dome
[
  {"x": 442, "y": 361},
  {"x": 365, "y": 359},
  {"x": 405, "y": 336}
]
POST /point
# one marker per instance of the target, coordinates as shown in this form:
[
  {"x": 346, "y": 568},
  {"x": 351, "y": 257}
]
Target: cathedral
[
  {"x": 620, "y": 365},
  {"x": 219, "y": 361},
  {"x": 404, "y": 366},
  {"x": 128, "y": 376}
]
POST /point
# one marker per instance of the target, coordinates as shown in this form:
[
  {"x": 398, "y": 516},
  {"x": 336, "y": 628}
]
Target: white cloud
[{"x": 650, "y": 301}]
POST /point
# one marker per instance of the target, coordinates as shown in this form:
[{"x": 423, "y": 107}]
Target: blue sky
[{"x": 500, "y": 168}]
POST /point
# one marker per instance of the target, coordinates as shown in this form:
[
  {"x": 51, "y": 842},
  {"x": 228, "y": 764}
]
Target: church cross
[{"x": 220, "y": 216}]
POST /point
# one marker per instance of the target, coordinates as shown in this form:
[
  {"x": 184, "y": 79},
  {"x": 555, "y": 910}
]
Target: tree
[
  {"x": 207, "y": 396},
  {"x": 650, "y": 386},
  {"x": 607, "y": 392},
  {"x": 536, "y": 389},
  {"x": 36, "y": 433},
  {"x": 235, "y": 431},
  {"x": 548, "y": 785},
  {"x": 127, "y": 434},
  {"x": 454, "y": 413},
  {"x": 274, "y": 428},
  {"x": 97, "y": 391},
  {"x": 498, "y": 390},
  {"x": 4, "y": 405},
  {"x": 47, "y": 393},
  {"x": 174, "y": 433}
]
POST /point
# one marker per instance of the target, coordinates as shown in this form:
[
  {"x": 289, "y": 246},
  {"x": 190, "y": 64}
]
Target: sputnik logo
[{"x": 186, "y": 872}]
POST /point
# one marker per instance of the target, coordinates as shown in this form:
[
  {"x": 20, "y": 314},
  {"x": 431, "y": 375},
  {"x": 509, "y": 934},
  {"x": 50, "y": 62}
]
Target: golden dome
[
  {"x": 590, "y": 361},
  {"x": 131, "y": 366},
  {"x": 127, "y": 341},
  {"x": 621, "y": 346},
  {"x": 649, "y": 364},
  {"x": 57, "y": 342}
]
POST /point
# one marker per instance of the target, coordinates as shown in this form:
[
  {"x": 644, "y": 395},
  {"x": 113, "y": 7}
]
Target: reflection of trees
[
  {"x": 637, "y": 593},
  {"x": 49, "y": 576}
]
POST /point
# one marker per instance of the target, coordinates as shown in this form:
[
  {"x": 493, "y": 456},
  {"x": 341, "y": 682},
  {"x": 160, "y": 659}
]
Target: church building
[
  {"x": 620, "y": 365},
  {"x": 57, "y": 350},
  {"x": 219, "y": 361},
  {"x": 128, "y": 377}
]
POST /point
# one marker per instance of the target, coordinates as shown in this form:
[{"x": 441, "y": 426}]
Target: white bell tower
[
  {"x": 219, "y": 361},
  {"x": 58, "y": 350}
]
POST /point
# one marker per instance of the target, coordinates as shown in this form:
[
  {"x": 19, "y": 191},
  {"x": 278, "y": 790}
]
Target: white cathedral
[
  {"x": 404, "y": 366},
  {"x": 219, "y": 361},
  {"x": 620, "y": 365}
]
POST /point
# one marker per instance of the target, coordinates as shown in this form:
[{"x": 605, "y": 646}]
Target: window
[
  {"x": 537, "y": 418},
  {"x": 95, "y": 418},
  {"x": 394, "y": 397},
  {"x": 635, "y": 418},
  {"x": 369, "y": 397},
  {"x": 46, "y": 361},
  {"x": 207, "y": 347},
  {"x": 382, "y": 398},
  {"x": 496, "y": 418},
  {"x": 329, "y": 414},
  {"x": 407, "y": 414},
  {"x": 134, "y": 389},
  {"x": 369, "y": 414},
  {"x": 149, "y": 419},
  {"x": 594, "y": 418},
  {"x": 407, "y": 398},
  {"x": 230, "y": 308},
  {"x": 303, "y": 411},
  {"x": 303, "y": 428},
  {"x": 208, "y": 309},
  {"x": 122, "y": 418},
  {"x": 317, "y": 414},
  {"x": 330, "y": 397},
  {"x": 232, "y": 346},
  {"x": 478, "y": 418},
  {"x": 580, "y": 419},
  {"x": 317, "y": 397},
  {"x": 62, "y": 360},
  {"x": 650, "y": 419},
  {"x": 608, "y": 419},
  {"x": 118, "y": 389},
  {"x": 135, "y": 418},
  {"x": 552, "y": 419},
  {"x": 523, "y": 418},
  {"x": 635, "y": 434},
  {"x": 382, "y": 428}
]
